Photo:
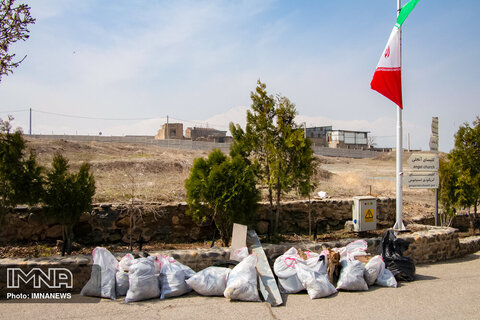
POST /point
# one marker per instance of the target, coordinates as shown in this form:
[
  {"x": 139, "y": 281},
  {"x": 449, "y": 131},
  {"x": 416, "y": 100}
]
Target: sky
[{"x": 120, "y": 67}]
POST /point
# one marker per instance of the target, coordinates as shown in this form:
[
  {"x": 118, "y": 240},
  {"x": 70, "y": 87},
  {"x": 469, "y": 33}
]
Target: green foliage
[
  {"x": 460, "y": 175},
  {"x": 14, "y": 21},
  {"x": 282, "y": 157},
  {"x": 448, "y": 186},
  {"x": 68, "y": 195},
  {"x": 222, "y": 188},
  {"x": 20, "y": 175}
]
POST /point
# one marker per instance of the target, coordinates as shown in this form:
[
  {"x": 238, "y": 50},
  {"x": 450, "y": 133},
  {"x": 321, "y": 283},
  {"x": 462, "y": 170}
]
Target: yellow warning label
[{"x": 368, "y": 215}]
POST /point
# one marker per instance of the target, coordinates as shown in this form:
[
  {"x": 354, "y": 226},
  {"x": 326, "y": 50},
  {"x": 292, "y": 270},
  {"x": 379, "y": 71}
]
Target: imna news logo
[{"x": 52, "y": 278}]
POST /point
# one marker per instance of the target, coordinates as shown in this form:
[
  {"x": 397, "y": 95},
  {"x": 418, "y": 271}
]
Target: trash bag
[
  {"x": 125, "y": 262},
  {"x": 143, "y": 283},
  {"x": 373, "y": 268},
  {"x": 121, "y": 277},
  {"x": 172, "y": 278},
  {"x": 317, "y": 284},
  {"x": 242, "y": 281},
  {"x": 102, "y": 277},
  {"x": 317, "y": 262},
  {"x": 121, "y": 283},
  {"x": 284, "y": 268},
  {"x": 391, "y": 249},
  {"x": 353, "y": 249},
  {"x": 240, "y": 254},
  {"x": 211, "y": 281},
  {"x": 351, "y": 276},
  {"x": 386, "y": 278}
]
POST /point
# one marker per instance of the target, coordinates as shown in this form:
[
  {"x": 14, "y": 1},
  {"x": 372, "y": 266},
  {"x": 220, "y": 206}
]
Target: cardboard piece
[
  {"x": 268, "y": 285},
  {"x": 239, "y": 238}
]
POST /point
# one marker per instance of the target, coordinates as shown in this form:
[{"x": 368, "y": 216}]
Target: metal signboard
[
  {"x": 423, "y": 162},
  {"x": 422, "y": 180}
]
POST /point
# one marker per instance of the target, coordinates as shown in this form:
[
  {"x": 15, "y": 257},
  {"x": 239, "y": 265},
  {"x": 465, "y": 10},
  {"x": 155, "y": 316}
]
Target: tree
[
  {"x": 276, "y": 145},
  {"x": 448, "y": 189},
  {"x": 14, "y": 22},
  {"x": 68, "y": 195},
  {"x": 222, "y": 188},
  {"x": 466, "y": 156},
  {"x": 21, "y": 178}
]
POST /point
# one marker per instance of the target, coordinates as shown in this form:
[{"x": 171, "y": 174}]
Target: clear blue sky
[{"x": 196, "y": 60}]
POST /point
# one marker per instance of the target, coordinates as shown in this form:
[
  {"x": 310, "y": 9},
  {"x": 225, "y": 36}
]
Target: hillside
[{"x": 157, "y": 174}]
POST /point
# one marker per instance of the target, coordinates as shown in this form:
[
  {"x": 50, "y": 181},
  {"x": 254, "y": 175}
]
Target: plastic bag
[
  {"x": 211, "y": 281},
  {"x": 121, "y": 283},
  {"x": 242, "y": 281},
  {"x": 391, "y": 249},
  {"x": 385, "y": 278},
  {"x": 240, "y": 254},
  {"x": 373, "y": 268},
  {"x": 317, "y": 284},
  {"x": 351, "y": 276},
  {"x": 353, "y": 249},
  {"x": 125, "y": 262},
  {"x": 317, "y": 262},
  {"x": 102, "y": 277},
  {"x": 284, "y": 268},
  {"x": 172, "y": 278},
  {"x": 143, "y": 283}
]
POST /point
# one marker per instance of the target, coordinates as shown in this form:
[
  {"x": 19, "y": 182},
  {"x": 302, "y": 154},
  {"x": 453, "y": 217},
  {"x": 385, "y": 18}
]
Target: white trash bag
[
  {"x": 317, "y": 262},
  {"x": 240, "y": 254},
  {"x": 386, "y": 278},
  {"x": 352, "y": 276},
  {"x": 102, "y": 277},
  {"x": 284, "y": 268},
  {"x": 242, "y": 281},
  {"x": 143, "y": 283},
  {"x": 373, "y": 268},
  {"x": 353, "y": 249},
  {"x": 317, "y": 284},
  {"x": 172, "y": 278},
  {"x": 122, "y": 282},
  {"x": 211, "y": 281}
]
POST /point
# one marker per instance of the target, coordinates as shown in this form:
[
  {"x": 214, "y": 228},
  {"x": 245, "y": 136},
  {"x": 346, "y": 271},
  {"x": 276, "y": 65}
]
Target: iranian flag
[{"x": 387, "y": 78}]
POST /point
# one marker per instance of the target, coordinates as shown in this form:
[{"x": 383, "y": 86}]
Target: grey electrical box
[{"x": 364, "y": 213}]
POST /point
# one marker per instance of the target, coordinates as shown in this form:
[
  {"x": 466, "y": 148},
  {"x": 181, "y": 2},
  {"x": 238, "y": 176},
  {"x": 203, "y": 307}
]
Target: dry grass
[{"x": 159, "y": 173}]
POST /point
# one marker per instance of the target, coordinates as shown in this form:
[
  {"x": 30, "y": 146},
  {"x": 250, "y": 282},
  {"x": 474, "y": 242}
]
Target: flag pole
[{"x": 399, "y": 171}]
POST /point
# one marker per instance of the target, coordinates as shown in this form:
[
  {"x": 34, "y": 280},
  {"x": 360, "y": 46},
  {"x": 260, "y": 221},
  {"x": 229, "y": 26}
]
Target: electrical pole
[{"x": 30, "y": 126}]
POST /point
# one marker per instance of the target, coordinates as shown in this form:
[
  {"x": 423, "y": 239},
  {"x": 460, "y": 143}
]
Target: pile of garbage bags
[{"x": 163, "y": 277}]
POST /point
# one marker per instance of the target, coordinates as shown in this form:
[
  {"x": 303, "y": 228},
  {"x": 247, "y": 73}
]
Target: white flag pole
[{"x": 399, "y": 172}]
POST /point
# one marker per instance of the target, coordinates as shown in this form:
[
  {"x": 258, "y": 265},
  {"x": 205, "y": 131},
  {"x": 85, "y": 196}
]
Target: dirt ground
[{"x": 158, "y": 174}]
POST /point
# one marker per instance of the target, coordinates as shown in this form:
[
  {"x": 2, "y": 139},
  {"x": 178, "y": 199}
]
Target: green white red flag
[{"x": 387, "y": 78}]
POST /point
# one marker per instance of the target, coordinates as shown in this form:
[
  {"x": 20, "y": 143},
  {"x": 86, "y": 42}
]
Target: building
[
  {"x": 205, "y": 134},
  {"x": 347, "y": 139},
  {"x": 318, "y": 135},
  {"x": 175, "y": 131}
]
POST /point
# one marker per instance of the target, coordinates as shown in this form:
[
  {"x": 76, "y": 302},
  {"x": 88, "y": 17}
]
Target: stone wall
[
  {"x": 109, "y": 223},
  {"x": 461, "y": 221},
  {"x": 428, "y": 244}
]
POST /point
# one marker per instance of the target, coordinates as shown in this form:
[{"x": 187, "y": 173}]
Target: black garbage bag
[{"x": 392, "y": 250}]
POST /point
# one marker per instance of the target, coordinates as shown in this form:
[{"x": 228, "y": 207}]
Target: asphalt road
[{"x": 447, "y": 290}]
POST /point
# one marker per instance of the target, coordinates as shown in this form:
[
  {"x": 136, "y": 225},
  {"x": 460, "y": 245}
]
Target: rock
[
  {"x": 54, "y": 232},
  {"x": 262, "y": 227},
  {"x": 175, "y": 220},
  {"x": 349, "y": 226}
]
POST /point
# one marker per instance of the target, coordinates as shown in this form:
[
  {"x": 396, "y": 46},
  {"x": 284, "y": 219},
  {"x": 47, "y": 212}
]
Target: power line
[{"x": 91, "y": 118}]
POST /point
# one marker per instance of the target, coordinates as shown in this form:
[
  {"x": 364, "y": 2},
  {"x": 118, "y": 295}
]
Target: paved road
[{"x": 448, "y": 290}]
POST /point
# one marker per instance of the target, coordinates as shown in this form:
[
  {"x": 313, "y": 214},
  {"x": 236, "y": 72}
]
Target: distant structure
[
  {"x": 318, "y": 135},
  {"x": 170, "y": 131},
  {"x": 206, "y": 134},
  {"x": 348, "y": 139}
]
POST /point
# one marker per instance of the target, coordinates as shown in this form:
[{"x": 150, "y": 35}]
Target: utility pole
[
  {"x": 167, "y": 133},
  {"x": 30, "y": 126}
]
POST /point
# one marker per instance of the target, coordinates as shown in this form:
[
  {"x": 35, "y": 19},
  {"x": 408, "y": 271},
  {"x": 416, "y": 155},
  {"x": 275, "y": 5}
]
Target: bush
[
  {"x": 222, "y": 188},
  {"x": 67, "y": 196}
]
